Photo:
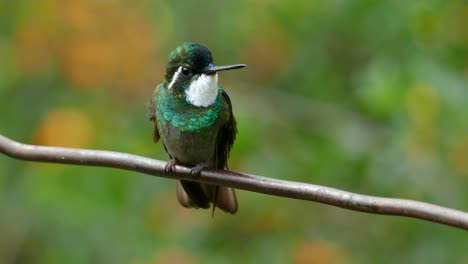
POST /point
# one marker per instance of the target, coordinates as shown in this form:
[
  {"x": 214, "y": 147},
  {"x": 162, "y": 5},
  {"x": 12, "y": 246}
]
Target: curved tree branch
[{"x": 297, "y": 190}]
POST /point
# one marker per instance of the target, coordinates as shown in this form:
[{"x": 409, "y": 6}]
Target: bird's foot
[
  {"x": 197, "y": 169},
  {"x": 170, "y": 166}
]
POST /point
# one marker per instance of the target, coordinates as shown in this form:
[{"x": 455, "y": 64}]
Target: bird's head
[{"x": 191, "y": 72}]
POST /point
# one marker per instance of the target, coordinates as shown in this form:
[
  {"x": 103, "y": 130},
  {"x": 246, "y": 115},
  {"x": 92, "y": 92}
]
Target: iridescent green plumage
[
  {"x": 193, "y": 117},
  {"x": 174, "y": 109}
]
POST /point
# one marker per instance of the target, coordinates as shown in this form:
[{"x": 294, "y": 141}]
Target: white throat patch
[{"x": 203, "y": 91}]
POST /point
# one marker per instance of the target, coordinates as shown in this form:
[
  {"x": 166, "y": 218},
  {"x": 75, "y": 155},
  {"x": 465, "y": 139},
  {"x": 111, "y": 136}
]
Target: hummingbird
[{"x": 192, "y": 115}]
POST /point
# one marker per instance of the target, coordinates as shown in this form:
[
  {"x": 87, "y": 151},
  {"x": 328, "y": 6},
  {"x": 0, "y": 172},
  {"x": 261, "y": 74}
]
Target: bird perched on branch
[{"x": 193, "y": 117}]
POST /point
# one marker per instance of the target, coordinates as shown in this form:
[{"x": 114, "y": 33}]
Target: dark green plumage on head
[{"x": 192, "y": 55}]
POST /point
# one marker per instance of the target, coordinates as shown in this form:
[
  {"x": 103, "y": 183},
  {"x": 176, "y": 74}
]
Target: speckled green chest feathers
[{"x": 176, "y": 111}]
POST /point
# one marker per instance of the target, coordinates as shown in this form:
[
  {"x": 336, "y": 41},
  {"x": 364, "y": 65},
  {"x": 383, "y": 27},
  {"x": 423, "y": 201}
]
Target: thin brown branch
[{"x": 297, "y": 190}]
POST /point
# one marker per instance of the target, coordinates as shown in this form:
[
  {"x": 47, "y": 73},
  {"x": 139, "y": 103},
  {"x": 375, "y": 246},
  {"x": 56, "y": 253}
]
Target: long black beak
[{"x": 215, "y": 69}]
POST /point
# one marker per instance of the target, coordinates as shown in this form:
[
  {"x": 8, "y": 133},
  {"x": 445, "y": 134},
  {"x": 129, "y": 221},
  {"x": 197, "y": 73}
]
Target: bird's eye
[{"x": 186, "y": 71}]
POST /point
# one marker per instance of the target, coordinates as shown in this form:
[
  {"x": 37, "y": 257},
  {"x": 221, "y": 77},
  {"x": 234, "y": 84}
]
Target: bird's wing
[
  {"x": 224, "y": 197},
  {"x": 227, "y": 132},
  {"x": 152, "y": 113}
]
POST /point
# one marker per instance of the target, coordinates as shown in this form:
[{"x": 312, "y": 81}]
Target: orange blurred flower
[
  {"x": 174, "y": 256},
  {"x": 66, "y": 127},
  {"x": 98, "y": 44},
  {"x": 317, "y": 252}
]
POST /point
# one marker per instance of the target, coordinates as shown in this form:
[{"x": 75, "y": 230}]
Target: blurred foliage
[{"x": 368, "y": 96}]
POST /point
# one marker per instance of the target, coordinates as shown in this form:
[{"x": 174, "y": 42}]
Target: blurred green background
[{"x": 367, "y": 96}]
